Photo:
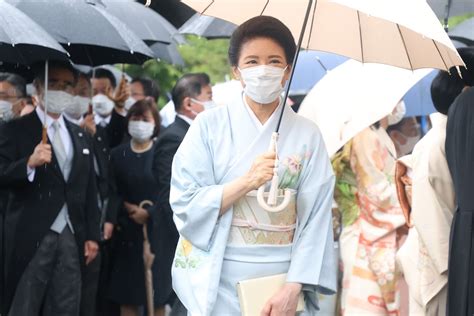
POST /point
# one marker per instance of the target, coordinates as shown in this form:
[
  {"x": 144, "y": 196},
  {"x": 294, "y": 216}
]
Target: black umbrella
[
  {"x": 22, "y": 41},
  {"x": 208, "y": 27},
  {"x": 464, "y": 32},
  {"x": 168, "y": 53},
  {"x": 143, "y": 21},
  {"x": 90, "y": 34}
]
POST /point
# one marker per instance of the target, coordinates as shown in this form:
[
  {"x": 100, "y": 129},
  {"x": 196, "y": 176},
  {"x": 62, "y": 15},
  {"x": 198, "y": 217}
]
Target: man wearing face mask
[
  {"x": 190, "y": 97},
  {"x": 53, "y": 191},
  {"x": 12, "y": 94},
  {"x": 109, "y": 107},
  {"x": 141, "y": 88},
  {"x": 168, "y": 113},
  {"x": 108, "y": 201}
]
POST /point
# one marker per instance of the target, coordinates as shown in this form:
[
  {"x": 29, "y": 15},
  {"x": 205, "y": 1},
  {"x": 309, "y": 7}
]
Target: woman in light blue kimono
[{"x": 224, "y": 236}]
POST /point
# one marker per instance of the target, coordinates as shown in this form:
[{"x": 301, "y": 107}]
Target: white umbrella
[{"x": 353, "y": 96}]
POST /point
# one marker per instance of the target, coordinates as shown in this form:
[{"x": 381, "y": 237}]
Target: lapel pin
[{"x": 85, "y": 151}]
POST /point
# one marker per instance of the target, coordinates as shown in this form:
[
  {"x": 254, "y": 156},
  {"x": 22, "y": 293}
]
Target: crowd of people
[
  {"x": 89, "y": 174},
  {"x": 87, "y": 186}
]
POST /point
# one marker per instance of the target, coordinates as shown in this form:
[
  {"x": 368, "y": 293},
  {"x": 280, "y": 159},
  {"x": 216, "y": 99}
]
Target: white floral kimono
[{"x": 219, "y": 147}]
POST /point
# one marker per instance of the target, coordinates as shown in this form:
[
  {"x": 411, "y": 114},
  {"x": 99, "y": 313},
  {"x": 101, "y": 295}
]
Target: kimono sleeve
[
  {"x": 313, "y": 261},
  {"x": 195, "y": 197}
]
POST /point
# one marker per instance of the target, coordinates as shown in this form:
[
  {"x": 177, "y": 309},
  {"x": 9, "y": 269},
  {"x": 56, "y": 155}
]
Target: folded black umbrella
[
  {"x": 24, "y": 42},
  {"x": 87, "y": 31}
]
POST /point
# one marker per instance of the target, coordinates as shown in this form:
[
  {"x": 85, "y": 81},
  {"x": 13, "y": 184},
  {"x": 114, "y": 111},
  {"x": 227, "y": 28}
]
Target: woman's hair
[
  {"x": 140, "y": 108},
  {"x": 445, "y": 88},
  {"x": 264, "y": 27}
]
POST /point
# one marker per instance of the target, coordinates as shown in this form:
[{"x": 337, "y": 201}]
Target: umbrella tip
[
  {"x": 147, "y": 3},
  {"x": 132, "y": 52}
]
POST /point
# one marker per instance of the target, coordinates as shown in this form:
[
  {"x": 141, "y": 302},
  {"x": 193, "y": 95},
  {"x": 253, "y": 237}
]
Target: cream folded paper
[{"x": 255, "y": 293}]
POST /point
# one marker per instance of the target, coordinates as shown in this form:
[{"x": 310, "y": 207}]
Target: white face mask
[
  {"x": 58, "y": 101},
  {"x": 129, "y": 103},
  {"x": 263, "y": 83},
  {"x": 410, "y": 142},
  {"x": 6, "y": 111},
  {"x": 141, "y": 131},
  {"x": 206, "y": 104},
  {"x": 78, "y": 107},
  {"x": 102, "y": 105},
  {"x": 398, "y": 113}
]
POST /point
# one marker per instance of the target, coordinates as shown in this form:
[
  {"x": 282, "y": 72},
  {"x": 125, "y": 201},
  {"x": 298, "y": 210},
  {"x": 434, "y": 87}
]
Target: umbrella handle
[
  {"x": 271, "y": 204},
  {"x": 145, "y": 229},
  {"x": 44, "y": 136}
]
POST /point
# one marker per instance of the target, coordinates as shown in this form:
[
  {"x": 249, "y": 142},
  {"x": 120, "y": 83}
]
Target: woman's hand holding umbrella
[{"x": 284, "y": 302}]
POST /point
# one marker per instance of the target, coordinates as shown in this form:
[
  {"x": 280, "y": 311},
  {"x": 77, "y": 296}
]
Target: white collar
[
  {"x": 185, "y": 118},
  {"x": 49, "y": 119},
  {"x": 255, "y": 119},
  {"x": 77, "y": 122},
  {"x": 98, "y": 119}
]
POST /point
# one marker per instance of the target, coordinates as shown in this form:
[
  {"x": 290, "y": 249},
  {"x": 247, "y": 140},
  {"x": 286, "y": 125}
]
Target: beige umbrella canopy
[{"x": 401, "y": 33}]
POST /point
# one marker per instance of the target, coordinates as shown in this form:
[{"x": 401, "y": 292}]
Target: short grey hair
[{"x": 16, "y": 81}]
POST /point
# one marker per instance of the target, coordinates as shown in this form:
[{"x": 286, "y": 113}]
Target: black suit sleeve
[
  {"x": 116, "y": 129},
  {"x": 163, "y": 159},
  {"x": 92, "y": 206},
  {"x": 115, "y": 201},
  {"x": 13, "y": 169}
]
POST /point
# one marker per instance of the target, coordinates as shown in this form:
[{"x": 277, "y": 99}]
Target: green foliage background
[{"x": 199, "y": 55}]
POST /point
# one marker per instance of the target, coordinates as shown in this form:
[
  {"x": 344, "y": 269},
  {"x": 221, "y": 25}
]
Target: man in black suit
[
  {"x": 12, "y": 102},
  {"x": 190, "y": 97},
  {"x": 91, "y": 304},
  {"x": 53, "y": 191},
  {"x": 109, "y": 105}
]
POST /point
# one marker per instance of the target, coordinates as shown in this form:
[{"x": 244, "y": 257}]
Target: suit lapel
[{"x": 76, "y": 151}]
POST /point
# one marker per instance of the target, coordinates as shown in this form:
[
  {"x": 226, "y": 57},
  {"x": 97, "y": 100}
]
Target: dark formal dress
[
  {"x": 42, "y": 256},
  {"x": 165, "y": 236},
  {"x": 460, "y": 157},
  {"x": 135, "y": 183}
]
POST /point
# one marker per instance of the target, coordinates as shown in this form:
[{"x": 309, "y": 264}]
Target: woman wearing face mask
[
  {"x": 369, "y": 242},
  {"x": 225, "y": 237},
  {"x": 132, "y": 167}
]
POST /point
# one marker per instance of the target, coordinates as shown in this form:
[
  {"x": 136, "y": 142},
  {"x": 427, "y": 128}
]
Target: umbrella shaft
[{"x": 295, "y": 60}]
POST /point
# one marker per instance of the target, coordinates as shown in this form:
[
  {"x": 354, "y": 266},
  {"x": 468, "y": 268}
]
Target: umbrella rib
[
  {"x": 405, "y": 46},
  {"x": 265, "y": 7},
  {"x": 204, "y": 11},
  {"x": 312, "y": 25},
  {"x": 441, "y": 56},
  {"x": 360, "y": 37}
]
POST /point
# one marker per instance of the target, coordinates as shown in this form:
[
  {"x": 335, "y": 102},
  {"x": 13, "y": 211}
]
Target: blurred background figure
[
  {"x": 109, "y": 105},
  {"x": 369, "y": 240},
  {"x": 460, "y": 157},
  {"x": 424, "y": 255},
  {"x": 405, "y": 135},
  {"x": 168, "y": 113},
  {"x": 142, "y": 87},
  {"x": 12, "y": 96},
  {"x": 131, "y": 164},
  {"x": 190, "y": 96}
]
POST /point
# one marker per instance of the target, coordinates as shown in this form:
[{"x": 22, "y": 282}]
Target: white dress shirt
[
  {"x": 102, "y": 121},
  {"x": 185, "y": 118}
]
